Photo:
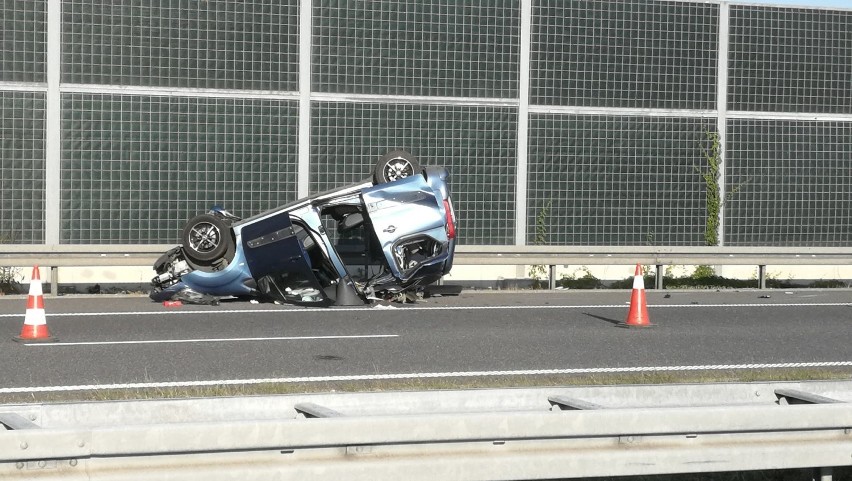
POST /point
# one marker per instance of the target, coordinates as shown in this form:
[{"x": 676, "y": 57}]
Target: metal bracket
[
  {"x": 316, "y": 411},
  {"x": 17, "y": 422},
  {"x": 794, "y": 396},
  {"x": 566, "y": 403}
]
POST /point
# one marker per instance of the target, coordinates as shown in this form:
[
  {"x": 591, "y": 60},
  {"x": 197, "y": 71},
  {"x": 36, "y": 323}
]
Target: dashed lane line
[{"x": 378, "y": 377}]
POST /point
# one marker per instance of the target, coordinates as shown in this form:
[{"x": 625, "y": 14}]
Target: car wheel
[
  {"x": 205, "y": 238},
  {"x": 395, "y": 165}
]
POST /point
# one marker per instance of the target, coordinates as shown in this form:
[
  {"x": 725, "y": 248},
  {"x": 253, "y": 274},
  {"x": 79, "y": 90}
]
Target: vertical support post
[
  {"x": 826, "y": 474},
  {"x": 523, "y": 124},
  {"x": 722, "y": 106},
  {"x": 658, "y": 283},
  {"x": 551, "y": 274},
  {"x": 53, "y": 125},
  {"x": 303, "y": 176},
  {"x": 54, "y": 280},
  {"x": 761, "y": 277}
]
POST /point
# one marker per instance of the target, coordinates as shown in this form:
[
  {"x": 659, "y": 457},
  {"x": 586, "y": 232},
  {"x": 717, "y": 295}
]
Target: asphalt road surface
[{"x": 108, "y": 341}]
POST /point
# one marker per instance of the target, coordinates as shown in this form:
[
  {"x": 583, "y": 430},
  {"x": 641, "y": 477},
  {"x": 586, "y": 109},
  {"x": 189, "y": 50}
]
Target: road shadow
[{"x": 611, "y": 321}]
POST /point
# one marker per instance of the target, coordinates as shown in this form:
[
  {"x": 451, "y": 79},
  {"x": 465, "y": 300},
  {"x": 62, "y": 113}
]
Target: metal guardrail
[
  {"x": 545, "y": 433},
  {"x": 62, "y": 255},
  {"x": 649, "y": 255},
  {"x": 83, "y": 255},
  {"x": 653, "y": 256}
]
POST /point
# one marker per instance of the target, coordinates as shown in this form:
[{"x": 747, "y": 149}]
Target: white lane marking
[
  {"x": 188, "y": 341},
  {"x": 378, "y": 377},
  {"x": 423, "y": 308}
]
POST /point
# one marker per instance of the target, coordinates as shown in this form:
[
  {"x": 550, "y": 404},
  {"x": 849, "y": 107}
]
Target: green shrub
[
  {"x": 586, "y": 281},
  {"x": 539, "y": 271},
  {"x": 10, "y": 277}
]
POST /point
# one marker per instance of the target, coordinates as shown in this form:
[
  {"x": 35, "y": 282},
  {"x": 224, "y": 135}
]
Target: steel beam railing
[
  {"x": 141, "y": 255},
  {"x": 532, "y": 436}
]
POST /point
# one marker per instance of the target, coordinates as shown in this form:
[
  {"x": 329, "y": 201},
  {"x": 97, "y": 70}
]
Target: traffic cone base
[
  {"x": 637, "y": 316},
  {"x": 35, "y": 322},
  {"x": 35, "y": 334}
]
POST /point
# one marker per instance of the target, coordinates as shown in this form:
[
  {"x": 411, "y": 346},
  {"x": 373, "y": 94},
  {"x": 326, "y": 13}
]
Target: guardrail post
[
  {"x": 826, "y": 474},
  {"x": 552, "y": 277},
  {"x": 54, "y": 280},
  {"x": 658, "y": 282},
  {"x": 761, "y": 276}
]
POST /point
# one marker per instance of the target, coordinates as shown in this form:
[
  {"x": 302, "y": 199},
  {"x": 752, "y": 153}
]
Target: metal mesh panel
[
  {"x": 459, "y": 48},
  {"x": 796, "y": 183},
  {"x": 135, "y": 168},
  {"x": 22, "y": 162},
  {"x": 181, "y": 43},
  {"x": 790, "y": 60},
  {"x": 23, "y": 39},
  {"x": 617, "y": 180},
  {"x": 630, "y": 53},
  {"x": 478, "y": 145}
]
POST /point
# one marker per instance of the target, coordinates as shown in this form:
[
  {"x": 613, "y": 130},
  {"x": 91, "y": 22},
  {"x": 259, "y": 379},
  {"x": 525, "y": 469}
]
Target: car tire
[
  {"x": 395, "y": 165},
  {"x": 206, "y": 238}
]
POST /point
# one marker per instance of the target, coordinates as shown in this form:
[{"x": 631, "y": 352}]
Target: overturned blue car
[{"x": 388, "y": 235}]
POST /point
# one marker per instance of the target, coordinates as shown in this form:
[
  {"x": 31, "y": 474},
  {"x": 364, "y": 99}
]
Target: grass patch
[{"x": 432, "y": 384}]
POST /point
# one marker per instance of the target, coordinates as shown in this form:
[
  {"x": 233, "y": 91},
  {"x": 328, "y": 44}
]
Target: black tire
[
  {"x": 395, "y": 165},
  {"x": 206, "y": 238}
]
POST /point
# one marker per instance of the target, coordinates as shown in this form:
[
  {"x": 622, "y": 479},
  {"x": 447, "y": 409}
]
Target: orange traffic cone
[
  {"x": 638, "y": 314},
  {"x": 35, "y": 323}
]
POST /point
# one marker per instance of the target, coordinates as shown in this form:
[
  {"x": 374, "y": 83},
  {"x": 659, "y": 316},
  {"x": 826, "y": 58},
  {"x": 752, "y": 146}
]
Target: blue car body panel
[
  {"x": 402, "y": 210},
  {"x": 233, "y": 280}
]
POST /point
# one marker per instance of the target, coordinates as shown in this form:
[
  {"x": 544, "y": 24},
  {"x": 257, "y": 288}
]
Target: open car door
[
  {"x": 277, "y": 258},
  {"x": 407, "y": 221}
]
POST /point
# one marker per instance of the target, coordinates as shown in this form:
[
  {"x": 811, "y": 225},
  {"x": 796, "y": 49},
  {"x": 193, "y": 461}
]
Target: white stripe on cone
[{"x": 638, "y": 281}]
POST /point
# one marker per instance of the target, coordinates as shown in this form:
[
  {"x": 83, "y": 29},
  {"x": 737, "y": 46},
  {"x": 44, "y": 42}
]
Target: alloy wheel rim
[
  {"x": 204, "y": 237},
  {"x": 398, "y": 169}
]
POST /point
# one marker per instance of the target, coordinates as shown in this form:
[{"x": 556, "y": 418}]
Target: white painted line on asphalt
[
  {"x": 422, "y": 375},
  {"x": 328, "y": 310},
  {"x": 189, "y": 341}
]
